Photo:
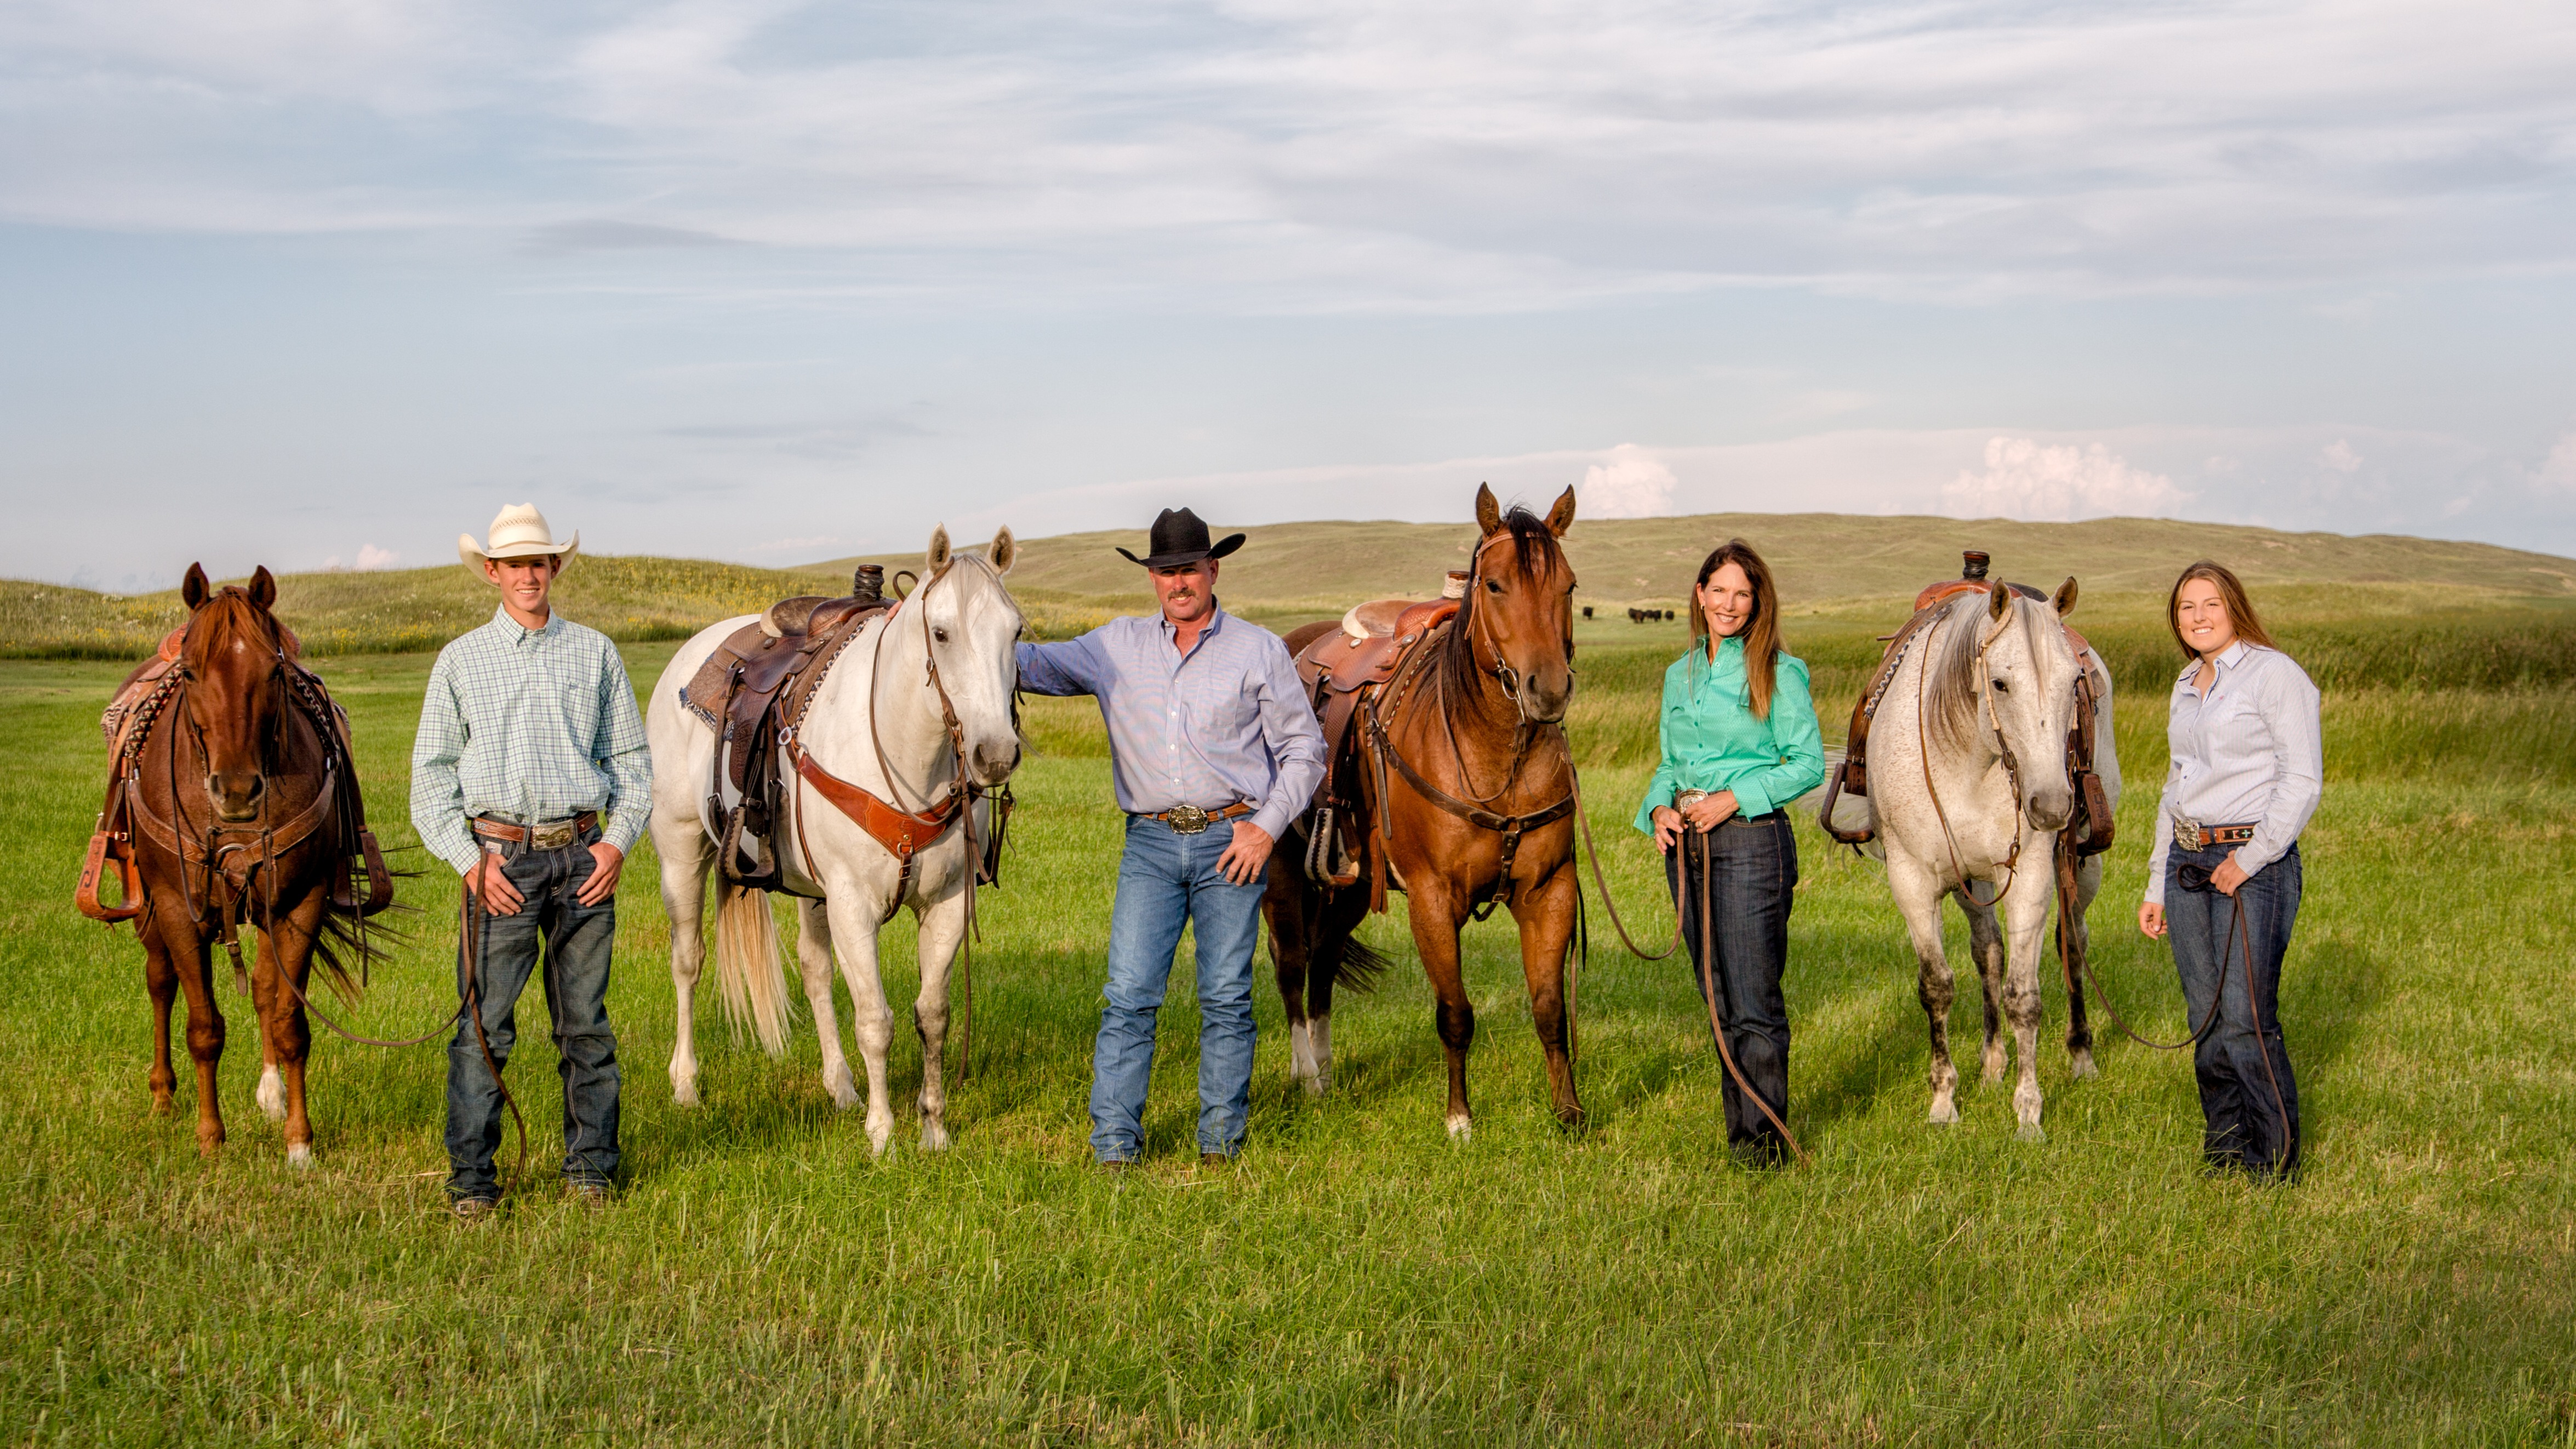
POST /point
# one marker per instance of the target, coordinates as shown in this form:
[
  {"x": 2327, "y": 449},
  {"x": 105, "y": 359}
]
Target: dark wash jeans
[
  {"x": 576, "y": 941},
  {"x": 2245, "y": 1126},
  {"x": 1753, "y": 874}
]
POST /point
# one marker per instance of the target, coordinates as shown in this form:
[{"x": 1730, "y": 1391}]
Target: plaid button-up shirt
[{"x": 529, "y": 725}]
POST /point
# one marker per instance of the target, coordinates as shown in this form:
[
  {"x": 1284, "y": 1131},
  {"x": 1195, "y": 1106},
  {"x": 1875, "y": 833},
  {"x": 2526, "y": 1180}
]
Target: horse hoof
[
  {"x": 844, "y": 1094},
  {"x": 1314, "y": 1086},
  {"x": 684, "y": 1089},
  {"x": 300, "y": 1156},
  {"x": 1993, "y": 1071},
  {"x": 880, "y": 1137},
  {"x": 934, "y": 1137},
  {"x": 2033, "y": 1132},
  {"x": 1460, "y": 1128},
  {"x": 2085, "y": 1067},
  {"x": 1945, "y": 1114},
  {"x": 162, "y": 1105},
  {"x": 272, "y": 1095},
  {"x": 1570, "y": 1118}
]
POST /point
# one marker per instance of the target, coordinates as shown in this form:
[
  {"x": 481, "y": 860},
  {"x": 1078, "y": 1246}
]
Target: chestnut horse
[
  {"x": 1462, "y": 788},
  {"x": 234, "y": 806}
]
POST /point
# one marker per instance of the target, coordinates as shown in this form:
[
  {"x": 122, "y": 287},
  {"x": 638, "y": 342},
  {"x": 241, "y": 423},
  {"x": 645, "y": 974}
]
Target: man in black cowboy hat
[{"x": 1213, "y": 749}]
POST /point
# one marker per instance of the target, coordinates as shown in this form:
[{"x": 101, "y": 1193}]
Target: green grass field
[{"x": 1357, "y": 1278}]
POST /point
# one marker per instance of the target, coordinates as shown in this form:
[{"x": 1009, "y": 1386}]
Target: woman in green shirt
[{"x": 1740, "y": 742}]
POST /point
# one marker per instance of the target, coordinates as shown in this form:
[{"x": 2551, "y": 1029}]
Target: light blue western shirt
[
  {"x": 2249, "y": 752},
  {"x": 1227, "y": 722}
]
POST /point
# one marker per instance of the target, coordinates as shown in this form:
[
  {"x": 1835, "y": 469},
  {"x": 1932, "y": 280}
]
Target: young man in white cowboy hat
[
  {"x": 1213, "y": 750},
  {"x": 531, "y": 777}
]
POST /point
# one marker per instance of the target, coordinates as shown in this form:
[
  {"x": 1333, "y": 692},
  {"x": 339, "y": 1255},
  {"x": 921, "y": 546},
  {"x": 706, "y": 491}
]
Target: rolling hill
[{"x": 1828, "y": 565}]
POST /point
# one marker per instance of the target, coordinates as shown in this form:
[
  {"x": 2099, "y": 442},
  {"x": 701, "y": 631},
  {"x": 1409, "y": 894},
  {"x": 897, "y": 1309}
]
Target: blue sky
[{"x": 315, "y": 282}]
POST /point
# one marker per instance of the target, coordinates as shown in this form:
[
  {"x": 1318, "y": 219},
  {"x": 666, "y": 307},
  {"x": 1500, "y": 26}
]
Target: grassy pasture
[{"x": 1357, "y": 1278}]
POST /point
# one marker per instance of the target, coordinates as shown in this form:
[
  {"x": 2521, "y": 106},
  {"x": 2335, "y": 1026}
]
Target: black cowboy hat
[{"x": 1180, "y": 538}]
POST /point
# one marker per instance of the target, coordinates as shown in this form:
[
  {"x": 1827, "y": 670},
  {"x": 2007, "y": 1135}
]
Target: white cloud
[
  {"x": 2339, "y": 456},
  {"x": 372, "y": 557},
  {"x": 2558, "y": 470},
  {"x": 1632, "y": 484},
  {"x": 2025, "y": 478}
]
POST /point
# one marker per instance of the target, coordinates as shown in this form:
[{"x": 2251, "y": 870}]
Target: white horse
[
  {"x": 956, "y": 632},
  {"x": 1968, "y": 779}
]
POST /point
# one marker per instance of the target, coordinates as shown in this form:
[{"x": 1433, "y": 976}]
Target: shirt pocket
[
  {"x": 1219, "y": 713},
  {"x": 578, "y": 706}
]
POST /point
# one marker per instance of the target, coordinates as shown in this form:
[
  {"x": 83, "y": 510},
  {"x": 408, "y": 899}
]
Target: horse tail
[
  {"x": 1354, "y": 965},
  {"x": 748, "y": 968}
]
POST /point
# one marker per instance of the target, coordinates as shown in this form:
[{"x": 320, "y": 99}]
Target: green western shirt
[{"x": 1713, "y": 741}]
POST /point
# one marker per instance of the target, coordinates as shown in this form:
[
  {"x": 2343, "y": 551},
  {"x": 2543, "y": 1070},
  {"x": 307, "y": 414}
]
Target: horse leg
[
  {"x": 286, "y": 1037},
  {"x": 264, "y": 994},
  {"x": 2026, "y": 911},
  {"x": 854, "y": 917},
  {"x": 195, "y": 964},
  {"x": 814, "y": 958},
  {"x": 1986, "y": 948},
  {"x": 943, "y": 930},
  {"x": 161, "y": 978},
  {"x": 2079, "y": 1032},
  {"x": 1546, "y": 920},
  {"x": 1341, "y": 914},
  {"x": 1920, "y": 900},
  {"x": 1285, "y": 901},
  {"x": 1435, "y": 938},
  {"x": 684, "y": 900}
]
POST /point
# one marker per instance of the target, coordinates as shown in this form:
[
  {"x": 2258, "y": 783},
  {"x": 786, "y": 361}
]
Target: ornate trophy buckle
[
  {"x": 1186, "y": 819},
  {"x": 2187, "y": 833},
  {"x": 552, "y": 837}
]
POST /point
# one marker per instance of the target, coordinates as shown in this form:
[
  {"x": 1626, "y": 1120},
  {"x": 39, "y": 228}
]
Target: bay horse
[
  {"x": 1462, "y": 788},
  {"x": 1970, "y": 782},
  {"x": 234, "y": 805},
  {"x": 917, "y": 712}
]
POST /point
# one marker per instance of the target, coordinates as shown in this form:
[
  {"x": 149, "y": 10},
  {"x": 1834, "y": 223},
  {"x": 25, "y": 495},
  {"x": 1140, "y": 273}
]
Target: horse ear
[
  {"x": 2065, "y": 600},
  {"x": 194, "y": 590},
  {"x": 937, "y": 558},
  {"x": 1561, "y": 517},
  {"x": 1005, "y": 552},
  {"x": 1998, "y": 599},
  {"x": 263, "y": 587},
  {"x": 1489, "y": 514}
]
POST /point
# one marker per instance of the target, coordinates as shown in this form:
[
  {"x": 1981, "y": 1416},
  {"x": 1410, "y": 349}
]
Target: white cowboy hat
[{"x": 518, "y": 531}]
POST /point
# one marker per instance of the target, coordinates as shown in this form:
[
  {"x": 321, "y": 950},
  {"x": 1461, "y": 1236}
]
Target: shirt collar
[
  {"x": 515, "y": 632},
  {"x": 1171, "y": 631},
  {"x": 2232, "y": 655}
]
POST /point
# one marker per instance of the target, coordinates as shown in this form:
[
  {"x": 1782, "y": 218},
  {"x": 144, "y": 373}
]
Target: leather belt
[
  {"x": 2190, "y": 834},
  {"x": 1684, "y": 799},
  {"x": 545, "y": 835},
  {"x": 1191, "y": 820}
]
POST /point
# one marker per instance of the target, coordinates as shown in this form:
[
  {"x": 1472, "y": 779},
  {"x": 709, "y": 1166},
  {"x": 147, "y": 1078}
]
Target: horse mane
[
  {"x": 1952, "y": 692},
  {"x": 1535, "y": 550},
  {"x": 230, "y": 614}
]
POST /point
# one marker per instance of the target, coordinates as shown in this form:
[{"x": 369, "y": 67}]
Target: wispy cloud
[{"x": 1341, "y": 154}]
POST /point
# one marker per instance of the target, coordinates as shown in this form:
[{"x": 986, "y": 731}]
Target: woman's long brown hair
[
  {"x": 1761, "y": 632},
  {"x": 2231, "y": 592}
]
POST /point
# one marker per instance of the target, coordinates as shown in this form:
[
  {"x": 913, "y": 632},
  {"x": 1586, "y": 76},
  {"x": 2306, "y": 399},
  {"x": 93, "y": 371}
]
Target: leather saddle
[
  {"x": 2093, "y": 802},
  {"x": 1341, "y": 668},
  {"x": 752, "y": 691}
]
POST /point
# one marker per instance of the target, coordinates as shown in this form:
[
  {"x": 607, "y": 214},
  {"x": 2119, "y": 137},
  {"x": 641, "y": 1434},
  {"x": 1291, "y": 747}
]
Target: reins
[{"x": 1708, "y": 992}]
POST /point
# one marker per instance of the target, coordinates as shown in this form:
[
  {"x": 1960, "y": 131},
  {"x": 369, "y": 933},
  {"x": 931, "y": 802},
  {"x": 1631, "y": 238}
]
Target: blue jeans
[
  {"x": 2245, "y": 1124},
  {"x": 576, "y": 940},
  {"x": 1752, "y": 883},
  {"x": 1164, "y": 879}
]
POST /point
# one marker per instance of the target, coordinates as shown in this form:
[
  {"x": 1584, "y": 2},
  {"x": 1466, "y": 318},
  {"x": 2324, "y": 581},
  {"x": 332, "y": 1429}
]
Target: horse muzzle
[
  {"x": 236, "y": 797},
  {"x": 991, "y": 762},
  {"x": 2051, "y": 807}
]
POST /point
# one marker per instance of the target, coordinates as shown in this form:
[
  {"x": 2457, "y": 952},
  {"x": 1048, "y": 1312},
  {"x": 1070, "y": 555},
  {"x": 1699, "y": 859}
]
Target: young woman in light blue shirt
[{"x": 1739, "y": 742}]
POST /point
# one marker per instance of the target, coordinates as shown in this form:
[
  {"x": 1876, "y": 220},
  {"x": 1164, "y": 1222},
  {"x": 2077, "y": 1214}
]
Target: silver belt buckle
[
  {"x": 2187, "y": 833},
  {"x": 553, "y": 837},
  {"x": 1186, "y": 819}
]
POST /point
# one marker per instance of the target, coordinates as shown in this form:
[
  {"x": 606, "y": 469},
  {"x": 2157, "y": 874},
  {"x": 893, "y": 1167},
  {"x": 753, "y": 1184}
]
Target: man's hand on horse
[
  {"x": 1246, "y": 855},
  {"x": 606, "y": 863},
  {"x": 1710, "y": 810},
  {"x": 487, "y": 880}
]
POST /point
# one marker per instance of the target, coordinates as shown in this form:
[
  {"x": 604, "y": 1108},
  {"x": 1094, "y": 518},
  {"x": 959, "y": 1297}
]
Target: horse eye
[
  {"x": 1493, "y": 586},
  {"x": 939, "y": 634},
  {"x": 2002, "y": 688}
]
